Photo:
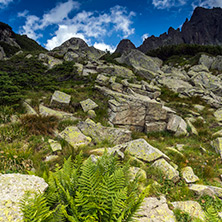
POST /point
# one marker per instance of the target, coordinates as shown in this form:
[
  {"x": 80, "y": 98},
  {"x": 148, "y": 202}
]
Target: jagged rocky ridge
[{"x": 204, "y": 28}]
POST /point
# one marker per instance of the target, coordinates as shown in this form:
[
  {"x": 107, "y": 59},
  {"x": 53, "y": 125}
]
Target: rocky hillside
[
  {"x": 204, "y": 28},
  {"x": 10, "y": 42},
  {"x": 136, "y": 132}
]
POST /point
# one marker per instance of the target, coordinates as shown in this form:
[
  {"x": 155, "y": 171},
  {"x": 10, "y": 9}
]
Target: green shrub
[
  {"x": 87, "y": 191},
  {"x": 9, "y": 92}
]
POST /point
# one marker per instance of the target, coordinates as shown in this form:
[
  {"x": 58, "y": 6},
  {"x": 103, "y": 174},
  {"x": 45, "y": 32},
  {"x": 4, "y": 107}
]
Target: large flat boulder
[
  {"x": 49, "y": 61},
  {"x": 100, "y": 133},
  {"x": 127, "y": 113},
  {"x": 206, "y": 190},
  {"x": 115, "y": 70},
  {"x": 155, "y": 210},
  {"x": 13, "y": 188},
  {"x": 144, "y": 65},
  {"x": 45, "y": 111},
  {"x": 133, "y": 110},
  {"x": 74, "y": 137},
  {"x": 141, "y": 150}
]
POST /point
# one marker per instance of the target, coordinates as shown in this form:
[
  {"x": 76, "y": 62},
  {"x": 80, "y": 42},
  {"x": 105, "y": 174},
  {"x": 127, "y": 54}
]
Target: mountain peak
[{"x": 124, "y": 45}]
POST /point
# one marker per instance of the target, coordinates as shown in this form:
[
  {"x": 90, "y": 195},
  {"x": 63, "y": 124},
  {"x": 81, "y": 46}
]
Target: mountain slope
[{"x": 11, "y": 42}]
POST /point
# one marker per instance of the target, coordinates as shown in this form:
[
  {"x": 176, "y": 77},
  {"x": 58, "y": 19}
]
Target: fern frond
[
  {"x": 212, "y": 215},
  {"x": 118, "y": 203},
  {"x": 135, "y": 205},
  {"x": 36, "y": 209}
]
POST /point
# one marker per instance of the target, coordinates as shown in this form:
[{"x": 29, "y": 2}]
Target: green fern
[
  {"x": 212, "y": 215},
  {"x": 87, "y": 191}
]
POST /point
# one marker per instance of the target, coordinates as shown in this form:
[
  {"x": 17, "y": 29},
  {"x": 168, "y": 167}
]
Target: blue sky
[{"x": 101, "y": 23}]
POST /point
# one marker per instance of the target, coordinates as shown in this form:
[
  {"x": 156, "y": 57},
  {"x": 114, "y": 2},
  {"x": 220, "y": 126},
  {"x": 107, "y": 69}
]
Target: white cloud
[
  {"x": 59, "y": 13},
  {"x": 104, "y": 47},
  {"x": 54, "y": 16},
  {"x": 207, "y": 3},
  {"x": 23, "y": 14},
  {"x": 88, "y": 25},
  {"x": 30, "y": 26},
  {"x": 63, "y": 34},
  {"x": 122, "y": 20},
  {"x": 4, "y": 3},
  {"x": 85, "y": 24},
  {"x": 145, "y": 36},
  {"x": 166, "y": 4}
]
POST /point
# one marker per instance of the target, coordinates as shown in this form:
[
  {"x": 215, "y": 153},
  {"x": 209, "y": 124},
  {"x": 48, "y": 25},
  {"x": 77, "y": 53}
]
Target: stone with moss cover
[
  {"x": 141, "y": 150},
  {"x": 193, "y": 208},
  {"x": 45, "y": 111},
  {"x": 155, "y": 210},
  {"x": 218, "y": 115},
  {"x": 206, "y": 190},
  {"x": 217, "y": 145},
  {"x": 74, "y": 137},
  {"x": 99, "y": 133},
  {"x": 88, "y": 104},
  {"x": 29, "y": 109},
  {"x": 188, "y": 175},
  {"x": 55, "y": 146},
  {"x": 169, "y": 172},
  {"x": 60, "y": 99},
  {"x": 13, "y": 187},
  {"x": 134, "y": 171}
]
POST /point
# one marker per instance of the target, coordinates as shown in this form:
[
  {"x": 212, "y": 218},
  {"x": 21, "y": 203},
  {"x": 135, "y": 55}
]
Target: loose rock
[
  {"x": 88, "y": 105},
  {"x": 193, "y": 208},
  {"x": 60, "y": 99},
  {"x": 188, "y": 175},
  {"x": 13, "y": 187},
  {"x": 74, "y": 137},
  {"x": 170, "y": 172},
  {"x": 155, "y": 210}
]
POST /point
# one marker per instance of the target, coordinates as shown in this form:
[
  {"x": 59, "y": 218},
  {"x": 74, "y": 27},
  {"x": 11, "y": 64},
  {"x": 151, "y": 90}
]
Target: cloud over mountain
[{"x": 82, "y": 24}]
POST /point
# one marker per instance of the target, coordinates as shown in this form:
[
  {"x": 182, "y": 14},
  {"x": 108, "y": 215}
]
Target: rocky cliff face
[
  {"x": 204, "y": 28},
  {"x": 7, "y": 35},
  {"x": 10, "y": 42}
]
